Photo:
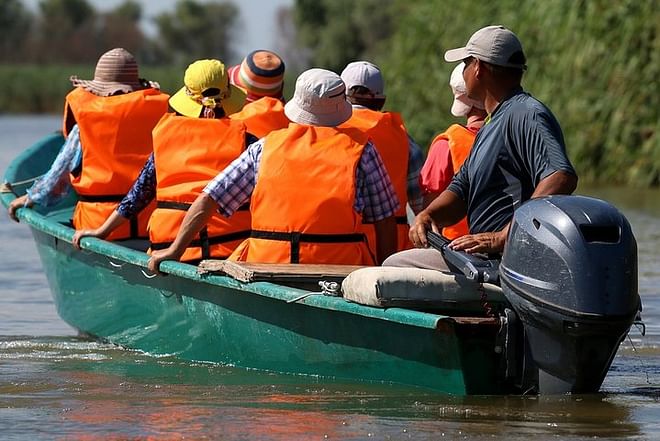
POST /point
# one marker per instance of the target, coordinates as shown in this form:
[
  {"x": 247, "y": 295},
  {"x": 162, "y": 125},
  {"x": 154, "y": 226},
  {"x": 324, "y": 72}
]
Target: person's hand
[
  {"x": 19, "y": 202},
  {"x": 418, "y": 229},
  {"x": 158, "y": 256},
  {"x": 79, "y": 234},
  {"x": 480, "y": 242}
]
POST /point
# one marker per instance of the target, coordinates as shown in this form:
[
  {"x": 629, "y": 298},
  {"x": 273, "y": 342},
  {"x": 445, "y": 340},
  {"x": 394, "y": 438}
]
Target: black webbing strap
[
  {"x": 402, "y": 220},
  {"x": 185, "y": 206},
  {"x": 135, "y": 230},
  {"x": 173, "y": 205},
  {"x": 295, "y": 239},
  {"x": 222, "y": 238},
  {"x": 204, "y": 243},
  {"x": 101, "y": 198}
]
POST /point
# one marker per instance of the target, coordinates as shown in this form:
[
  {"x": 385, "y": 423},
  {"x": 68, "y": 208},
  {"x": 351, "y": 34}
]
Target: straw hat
[
  {"x": 319, "y": 99},
  {"x": 116, "y": 72},
  {"x": 206, "y": 84}
]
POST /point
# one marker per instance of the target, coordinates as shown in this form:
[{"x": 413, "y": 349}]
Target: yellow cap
[{"x": 201, "y": 76}]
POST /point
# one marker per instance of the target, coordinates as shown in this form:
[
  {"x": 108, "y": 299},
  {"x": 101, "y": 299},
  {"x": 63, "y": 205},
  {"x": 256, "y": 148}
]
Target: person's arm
[
  {"x": 55, "y": 183},
  {"x": 196, "y": 217},
  {"x": 446, "y": 209},
  {"x": 229, "y": 190},
  {"x": 114, "y": 221},
  {"x": 377, "y": 201},
  {"x": 559, "y": 182},
  {"x": 142, "y": 192}
]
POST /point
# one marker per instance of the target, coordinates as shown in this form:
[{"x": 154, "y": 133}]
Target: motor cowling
[{"x": 569, "y": 270}]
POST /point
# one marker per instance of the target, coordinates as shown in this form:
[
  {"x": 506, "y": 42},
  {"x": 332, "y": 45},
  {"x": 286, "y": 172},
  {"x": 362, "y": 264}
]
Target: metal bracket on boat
[
  {"x": 115, "y": 265},
  {"x": 328, "y": 288},
  {"x": 639, "y": 324},
  {"x": 148, "y": 276}
]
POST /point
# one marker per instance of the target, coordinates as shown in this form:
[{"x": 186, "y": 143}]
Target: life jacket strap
[
  {"x": 295, "y": 238},
  {"x": 101, "y": 198},
  {"x": 184, "y": 206}
]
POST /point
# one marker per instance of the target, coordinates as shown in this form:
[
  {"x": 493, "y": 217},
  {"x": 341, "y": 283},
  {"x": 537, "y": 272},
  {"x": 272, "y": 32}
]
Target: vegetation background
[{"x": 595, "y": 63}]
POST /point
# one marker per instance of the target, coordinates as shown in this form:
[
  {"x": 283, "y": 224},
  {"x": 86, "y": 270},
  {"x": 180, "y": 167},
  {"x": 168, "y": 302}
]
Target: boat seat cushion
[{"x": 418, "y": 288}]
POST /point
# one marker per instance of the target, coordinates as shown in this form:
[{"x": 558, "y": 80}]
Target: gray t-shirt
[{"x": 520, "y": 145}]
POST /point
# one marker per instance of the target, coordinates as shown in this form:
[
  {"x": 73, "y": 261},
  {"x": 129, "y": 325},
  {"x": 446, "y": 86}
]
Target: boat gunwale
[
  {"x": 42, "y": 222},
  {"x": 116, "y": 251}
]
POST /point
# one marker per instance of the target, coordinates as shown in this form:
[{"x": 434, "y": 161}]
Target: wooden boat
[
  {"x": 271, "y": 324},
  {"x": 105, "y": 291}
]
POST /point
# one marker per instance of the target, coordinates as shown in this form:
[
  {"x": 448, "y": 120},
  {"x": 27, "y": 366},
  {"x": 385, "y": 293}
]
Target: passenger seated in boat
[
  {"x": 401, "y": 155},
  {"x": 449, "y": 149},
  {"x": 261, "y": 75},
  {"x": 520, "y": 154},
  {"x": 311, "y": 184},
  {"x": 200, "y": 135},
  {"x": 107, "y": 124}
]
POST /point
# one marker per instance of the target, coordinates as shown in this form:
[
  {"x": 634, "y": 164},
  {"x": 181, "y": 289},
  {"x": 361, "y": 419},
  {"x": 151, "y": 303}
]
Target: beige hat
[
  {"x": 319, "y": 99},
  {"x": 493, "y": 44},
  {"x": 116, "y": 72},
  {"x": 202, "y": 77},
  {"x": 365, "y": 74},
  {"x": 462, "y": 103}
]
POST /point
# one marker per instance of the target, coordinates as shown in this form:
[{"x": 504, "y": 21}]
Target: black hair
[{"x": 362, "y": 96}]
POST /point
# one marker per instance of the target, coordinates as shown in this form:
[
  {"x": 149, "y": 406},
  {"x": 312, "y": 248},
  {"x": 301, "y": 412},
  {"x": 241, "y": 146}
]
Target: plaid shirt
[{"x": 374, "y": 194}]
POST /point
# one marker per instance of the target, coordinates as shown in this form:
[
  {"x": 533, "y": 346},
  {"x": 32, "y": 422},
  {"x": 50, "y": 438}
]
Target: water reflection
[{"x": 104, "y": 392}]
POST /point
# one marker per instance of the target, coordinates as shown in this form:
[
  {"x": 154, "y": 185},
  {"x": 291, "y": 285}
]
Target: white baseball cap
[
  {"x": 319, "y": 99},
  {"x": 493, "y": 44},
  {"x": 462, "y": 103},
  {"x": 365, "y": 74}
]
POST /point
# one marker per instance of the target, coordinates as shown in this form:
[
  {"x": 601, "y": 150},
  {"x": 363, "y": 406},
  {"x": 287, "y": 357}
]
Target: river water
[{"x": 55, "y": 385}]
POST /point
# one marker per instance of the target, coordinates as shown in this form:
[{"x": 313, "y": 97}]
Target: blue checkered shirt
[{"x": 374, "y": 194}]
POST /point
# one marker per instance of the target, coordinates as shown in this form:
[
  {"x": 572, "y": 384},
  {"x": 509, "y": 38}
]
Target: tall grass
[
  {"x": 41, "y": 89},
  {"x": 595, "y": 63}
]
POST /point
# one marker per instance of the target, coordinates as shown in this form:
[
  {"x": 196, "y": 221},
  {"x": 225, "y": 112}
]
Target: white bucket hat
[
  {"x": 319, "y": 99},
  {"x": 462, "y": 103}
]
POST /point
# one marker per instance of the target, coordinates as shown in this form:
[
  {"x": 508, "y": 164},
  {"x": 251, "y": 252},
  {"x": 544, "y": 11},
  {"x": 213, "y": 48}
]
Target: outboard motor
[{"x": 569, "y": 270}]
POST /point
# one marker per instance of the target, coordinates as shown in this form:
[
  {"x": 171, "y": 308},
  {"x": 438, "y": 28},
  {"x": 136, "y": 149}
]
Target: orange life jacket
[
  {"x": 262, "y": 116},
  {"x": 188, "y": 153},
  {"x": 390, "y": 138},
  {"x": 460, "y": 141},
  {"x": 302, "y": 204},
  {"x": 115, "y": 135}
]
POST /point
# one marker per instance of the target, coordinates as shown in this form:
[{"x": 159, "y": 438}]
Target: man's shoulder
[{"x": 525, "y": 105}]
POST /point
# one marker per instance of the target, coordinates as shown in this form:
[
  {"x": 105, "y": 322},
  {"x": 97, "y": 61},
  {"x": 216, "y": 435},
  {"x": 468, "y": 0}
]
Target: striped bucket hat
[
  {"x": 116, "y": 72},
  {"x": 260, "y": 74}
]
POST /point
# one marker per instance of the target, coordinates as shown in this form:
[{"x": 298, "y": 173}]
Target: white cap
[
  {"x": 365, "y": 74},
  {"x": 319, "y": 99},
  {"x": 493, "y": 44},
  {"x": 462, "y": 103}
]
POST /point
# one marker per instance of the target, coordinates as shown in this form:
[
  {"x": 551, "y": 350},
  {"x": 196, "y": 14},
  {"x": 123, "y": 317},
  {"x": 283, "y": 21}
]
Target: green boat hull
[{"x": 104, "y": 291}]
